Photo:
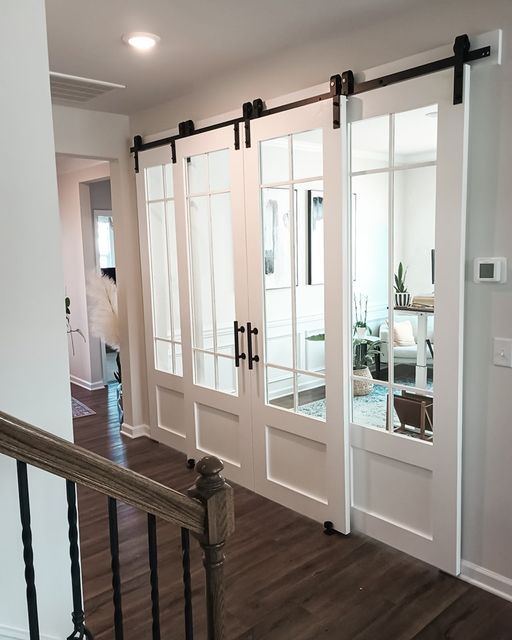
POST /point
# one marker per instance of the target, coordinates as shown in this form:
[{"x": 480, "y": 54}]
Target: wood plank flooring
[{"x": 285, "y": 579}]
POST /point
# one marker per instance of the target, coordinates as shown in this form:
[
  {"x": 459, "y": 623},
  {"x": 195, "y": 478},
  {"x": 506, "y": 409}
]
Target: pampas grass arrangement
[{"x": 103, "y": 317}]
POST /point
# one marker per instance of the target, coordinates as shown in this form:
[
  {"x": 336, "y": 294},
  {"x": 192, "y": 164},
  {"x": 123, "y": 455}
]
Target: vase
[
  {"x": 362, "y": 387},
  {"x": 402, "y": 299},
  {"x": 361, "y": 332}
]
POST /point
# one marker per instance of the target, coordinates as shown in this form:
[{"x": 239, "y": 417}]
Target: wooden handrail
[{"x": 39, "y": 448}]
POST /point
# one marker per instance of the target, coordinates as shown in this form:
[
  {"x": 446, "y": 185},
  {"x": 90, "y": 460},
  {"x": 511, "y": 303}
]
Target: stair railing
[{"x": 206, "y": 511}]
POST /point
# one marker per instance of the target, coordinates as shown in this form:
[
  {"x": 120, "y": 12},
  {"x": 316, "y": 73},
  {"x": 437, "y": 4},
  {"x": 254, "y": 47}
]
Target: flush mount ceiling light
[{"x": 141, "y": 40}]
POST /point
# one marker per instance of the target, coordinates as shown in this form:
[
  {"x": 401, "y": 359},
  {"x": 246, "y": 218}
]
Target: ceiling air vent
[{"x": 78, "y": 90}]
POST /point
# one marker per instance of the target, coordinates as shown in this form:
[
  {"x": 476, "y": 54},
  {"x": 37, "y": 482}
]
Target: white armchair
[{"x": 405, "y": 355}]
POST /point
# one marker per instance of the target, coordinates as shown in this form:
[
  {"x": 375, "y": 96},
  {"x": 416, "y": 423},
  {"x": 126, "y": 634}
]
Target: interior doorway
[{"x": 85, "y": 205}]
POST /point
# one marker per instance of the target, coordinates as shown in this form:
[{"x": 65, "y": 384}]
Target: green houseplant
[{"x": 402, "y": 296}]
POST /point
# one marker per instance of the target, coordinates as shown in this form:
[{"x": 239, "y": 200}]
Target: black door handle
[
  {"x": 250, "y": 333},
  {"x": 238, "y": 356}
]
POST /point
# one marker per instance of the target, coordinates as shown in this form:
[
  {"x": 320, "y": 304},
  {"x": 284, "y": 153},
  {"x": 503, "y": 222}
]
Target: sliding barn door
[
  {"x": 408, "y": 146},
  {"x": 294, "y": 190},
  {"x": 211, "y": 229},
  {"x": 162, "y": 282}
]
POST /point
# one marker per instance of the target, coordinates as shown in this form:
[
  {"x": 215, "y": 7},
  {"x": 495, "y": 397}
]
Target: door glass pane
[
  {"x": 394, "y": 206},
  {"x": 222, "y": 251},
  {"x": 414, "y": 248},
  {"x": 164, "y": 266},
  {"x": 201, "y": 263},
  {"x": 159, "y": 271},
  {"x": 163, "y": 356},
  {"x": 416, "y": 136},
  {"x": 197, "y": 167},
  {"x": 280, "y": 388},
  {"x": 154, "y": 183},
  {"x": 369, "y": 403},
  {"x": 212, "y": 270},
  {"x": 293, "y": 264},
  {"x": 204, "y": 369},
  {"x": 370, "y": 207},
  {"x": 226, "y": 373},
  {"x": 275, "y": 160},
  {"x": 311, "y": 396},
  {"x": 370, "y": 144},
  {"x": 308, "y": 161},
  {"x": 218, "y": 166}
]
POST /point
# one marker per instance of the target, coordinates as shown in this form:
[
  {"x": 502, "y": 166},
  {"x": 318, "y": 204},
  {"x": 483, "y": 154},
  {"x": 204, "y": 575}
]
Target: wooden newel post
[{"x": 217, "y": 496}]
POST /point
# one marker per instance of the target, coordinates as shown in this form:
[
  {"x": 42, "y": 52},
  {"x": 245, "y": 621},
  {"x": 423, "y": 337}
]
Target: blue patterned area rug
[
  {"x": 80, "y": 410},
  {"x": 368, "y": 410}
]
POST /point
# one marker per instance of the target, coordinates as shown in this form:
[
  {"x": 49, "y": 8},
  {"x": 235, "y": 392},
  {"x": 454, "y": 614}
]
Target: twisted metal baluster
[
  {"x": 28, "y": 555},
  {"x": 153, "y": 565},
  {"x": 80, "y": 631},
  {"x": 116, "y": 575},
  {"x": 187, "y": 584}
]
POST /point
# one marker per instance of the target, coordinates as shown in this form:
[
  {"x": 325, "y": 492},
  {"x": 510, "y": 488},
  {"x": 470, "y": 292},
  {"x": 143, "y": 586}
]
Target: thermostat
[{"x": 490, "y": 270}]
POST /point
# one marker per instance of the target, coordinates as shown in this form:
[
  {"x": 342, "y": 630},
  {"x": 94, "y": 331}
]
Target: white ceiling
[{"x": 199, "y": 39}]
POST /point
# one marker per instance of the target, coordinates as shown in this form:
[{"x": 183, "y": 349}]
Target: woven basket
[{"x": 363, "y": 387}]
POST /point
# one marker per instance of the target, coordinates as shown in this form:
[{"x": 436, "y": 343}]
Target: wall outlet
[{"x": 502, "y": 352}]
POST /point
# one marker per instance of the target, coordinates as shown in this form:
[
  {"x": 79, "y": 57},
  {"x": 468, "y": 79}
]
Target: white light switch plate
[{"x": 502, "y": 352}]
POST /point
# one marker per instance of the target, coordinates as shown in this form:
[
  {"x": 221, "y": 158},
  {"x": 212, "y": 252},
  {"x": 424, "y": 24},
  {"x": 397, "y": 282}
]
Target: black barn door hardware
[
  {"x": 335, "y": 84},
  {"x": 256, "y": 109},
  {"x": 137, "y": 145},
  {"x": 250, "y": 333},
  {"x": 236, "y": 330},
  {"x": 173, "y": 151},
  {"x": 460, "y": 49},
  {"x": 247, "y": 114},
  {"x": 186, "y": 129},
  {"x": 236, "y": 128}
]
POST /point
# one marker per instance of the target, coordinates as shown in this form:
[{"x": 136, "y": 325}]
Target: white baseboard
[
  {"x": 9, "y": 633},
  {"x": 138, "y": 431},
  {"x": 85, "y": 384},
  {"x": 486, "y": 579}
]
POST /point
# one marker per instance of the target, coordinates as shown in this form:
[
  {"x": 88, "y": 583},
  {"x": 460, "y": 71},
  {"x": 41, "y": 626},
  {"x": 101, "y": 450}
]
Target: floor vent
[{"x": 78, "y": 90}]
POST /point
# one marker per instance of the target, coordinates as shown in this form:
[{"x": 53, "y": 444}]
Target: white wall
[
  {"x": 487, "y": 516},
  {"x": 34, "y": 375},
  {"x": 91, "y": 134},
  {"x": 78, "y": 240}
]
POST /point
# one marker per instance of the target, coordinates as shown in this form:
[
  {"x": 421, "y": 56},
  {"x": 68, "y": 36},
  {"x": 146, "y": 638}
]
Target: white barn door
[
  {"x": 294, "y": 190},
  {"x": 407, "y": 151}
]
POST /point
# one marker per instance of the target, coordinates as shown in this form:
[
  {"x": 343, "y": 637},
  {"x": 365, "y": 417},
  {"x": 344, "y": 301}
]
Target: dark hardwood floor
[{"x": 285, "y": 579}]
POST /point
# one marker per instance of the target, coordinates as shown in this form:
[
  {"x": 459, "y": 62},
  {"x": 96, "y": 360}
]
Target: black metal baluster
[
  {"x": 187, "y": 584},
  {"x": 80, "y": 631},
  {"x": 28, "y": 555},
  {"x": 153, "y": 566},
  {"x": 116, "y": 576}
]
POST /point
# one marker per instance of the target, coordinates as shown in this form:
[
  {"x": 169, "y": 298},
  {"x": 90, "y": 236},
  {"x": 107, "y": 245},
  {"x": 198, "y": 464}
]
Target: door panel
[
  {"x": 293, "y": 205},
  {"x": 407, "y": 214},
  {"x": 161, "y": 297},
  {"x": 209, "y": 210}
]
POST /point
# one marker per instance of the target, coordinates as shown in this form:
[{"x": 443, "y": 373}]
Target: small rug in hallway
[{"x": 80, "y": 409}]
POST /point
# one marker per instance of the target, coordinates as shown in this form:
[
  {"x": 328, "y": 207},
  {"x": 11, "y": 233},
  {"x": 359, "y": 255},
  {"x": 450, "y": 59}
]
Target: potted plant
[
  {"x": 360, "y": 314},
  {"x": 402, "y": 296},
  {"x": 363, "y": 355}
]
